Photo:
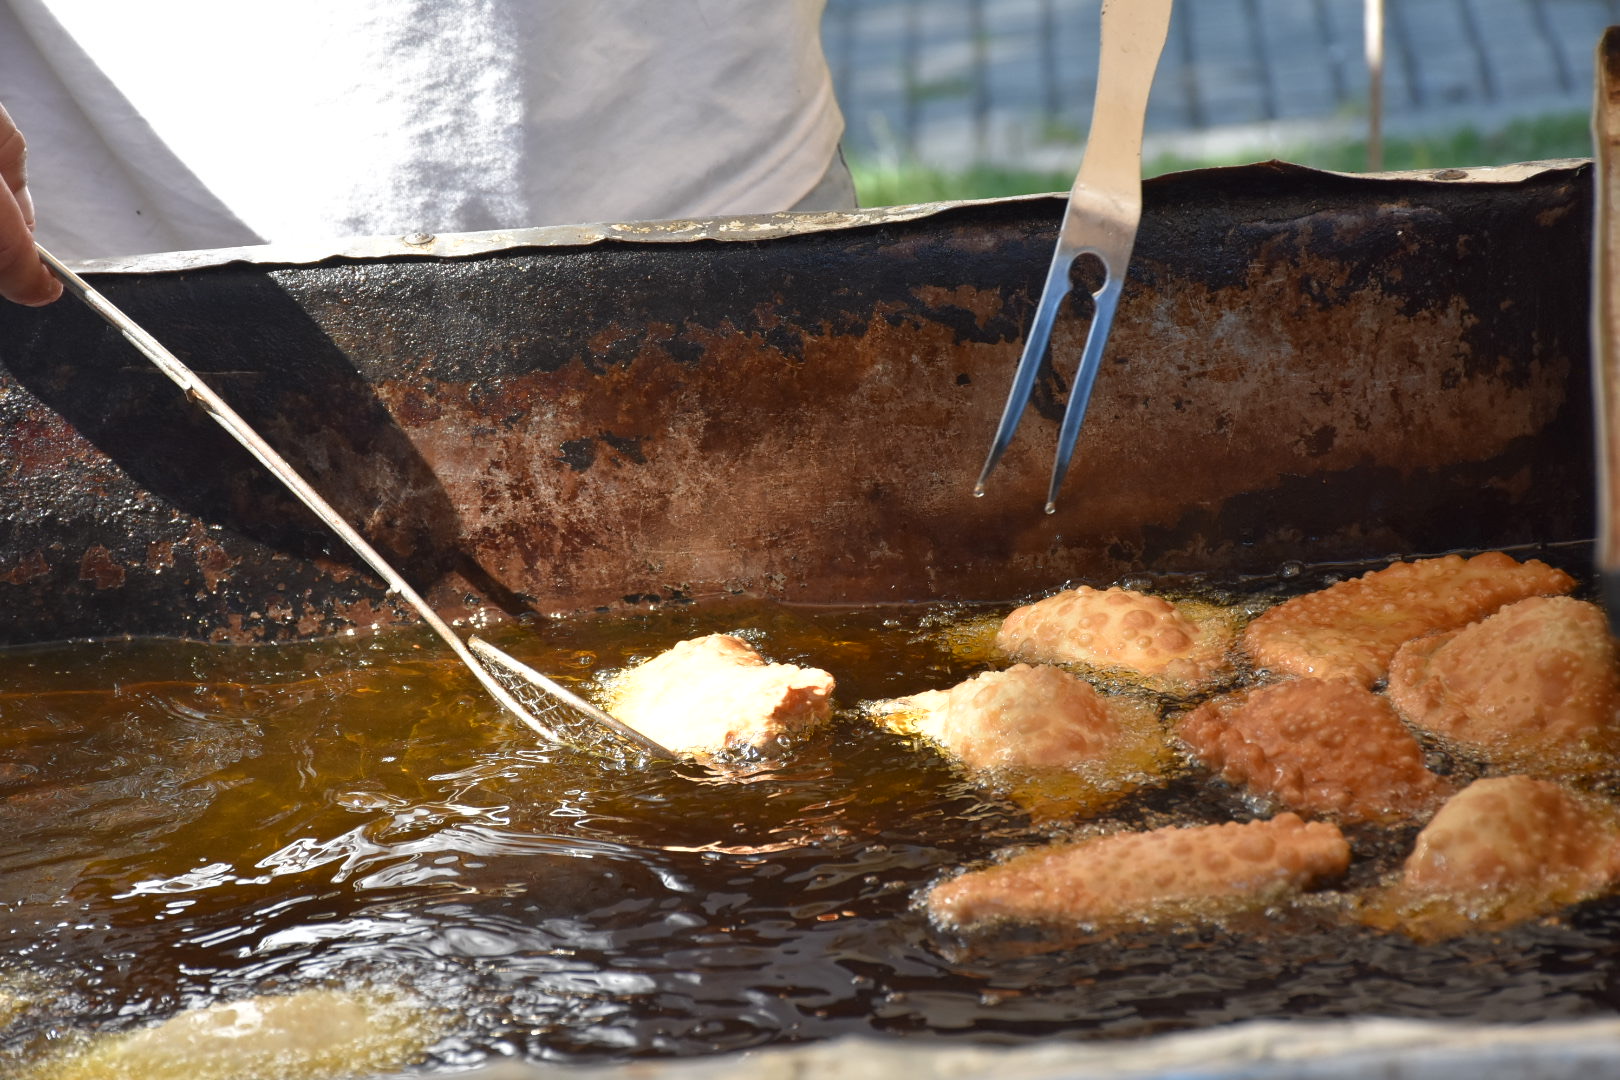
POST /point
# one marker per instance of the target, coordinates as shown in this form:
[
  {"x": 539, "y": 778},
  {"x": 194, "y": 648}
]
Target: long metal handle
[
  {"x": 1606, "y": 318},
  {"x": 239, "y": 430}
]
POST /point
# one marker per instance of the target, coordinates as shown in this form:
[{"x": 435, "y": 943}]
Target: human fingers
[{"x": 23, "y": 277}]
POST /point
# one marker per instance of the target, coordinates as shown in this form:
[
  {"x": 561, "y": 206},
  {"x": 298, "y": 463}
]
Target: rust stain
[
  {"x": 601, "y": 343},
  {"x": 38, "y": 445},
  {"x": 982, "y": 304},
  {"x": 852, "y": 464},
  {"x": 29, "y": 566},
  {"x": 333, "y": 570},
  {"x": 99, "y": 568},
  {"x": 365, "y": 614},
  {"x": 412, "y": 405},
  {"x": 213, "y": 561},
  {"x": 231, "y": 633},
  {"x": 159, "y": 555},
  {"x": 769, "y": 315},
  {"x": 1553, "y": 215}
]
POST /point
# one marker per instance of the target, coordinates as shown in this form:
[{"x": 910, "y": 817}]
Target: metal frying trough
[
  {"x": 531, "y": 697},
  {"x": 1306, "y": 368}
]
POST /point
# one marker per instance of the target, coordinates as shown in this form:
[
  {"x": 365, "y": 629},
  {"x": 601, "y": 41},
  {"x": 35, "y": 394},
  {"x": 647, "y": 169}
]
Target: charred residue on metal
[{"x": 1301, "y": 361}]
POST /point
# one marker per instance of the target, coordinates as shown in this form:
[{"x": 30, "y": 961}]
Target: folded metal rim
[
  {"x": 1260, "y": 1050},
  {"x": 746, "y": 227}
]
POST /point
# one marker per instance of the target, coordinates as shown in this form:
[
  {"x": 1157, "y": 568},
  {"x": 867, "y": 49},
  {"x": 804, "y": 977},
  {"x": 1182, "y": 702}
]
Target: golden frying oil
[{"x": 185, "y": 825}]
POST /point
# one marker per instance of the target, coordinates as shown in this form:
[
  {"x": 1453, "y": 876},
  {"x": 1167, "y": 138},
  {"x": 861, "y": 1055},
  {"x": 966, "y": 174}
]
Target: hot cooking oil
[{"x": 187, "y": 824}]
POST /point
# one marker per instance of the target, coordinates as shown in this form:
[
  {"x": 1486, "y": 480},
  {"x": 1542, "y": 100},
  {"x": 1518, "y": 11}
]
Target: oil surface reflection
[{"x": 185, "y": 824}]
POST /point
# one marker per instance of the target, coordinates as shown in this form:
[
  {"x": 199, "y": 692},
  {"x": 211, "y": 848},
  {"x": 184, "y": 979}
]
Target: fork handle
[{"x": 1132, "y": 37}]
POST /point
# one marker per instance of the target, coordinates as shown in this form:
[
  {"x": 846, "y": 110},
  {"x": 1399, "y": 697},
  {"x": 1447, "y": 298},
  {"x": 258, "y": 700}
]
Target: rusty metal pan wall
[{"x": 1305, "y": 366}]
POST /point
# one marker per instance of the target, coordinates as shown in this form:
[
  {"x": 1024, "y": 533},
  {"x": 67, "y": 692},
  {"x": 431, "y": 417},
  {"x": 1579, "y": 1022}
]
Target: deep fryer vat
[{"x": 1306, "y": 368}]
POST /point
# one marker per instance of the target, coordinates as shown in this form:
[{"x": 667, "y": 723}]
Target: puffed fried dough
[
  {"x": 307, "y": 1032},
  {"x": 1502, "y": 850},
  {"x": 1027, "y": 717},
  {"x": 1117, "y": 628},
  {"x": 1316, "y": 746},
  {"x": 1536, "y": 684},
  {"x": 715, "y": 693},
  {"x": 1041, "y": 736},
  {"x": 1352, "y": 629},
  {"x": 1167, "y": 873}
]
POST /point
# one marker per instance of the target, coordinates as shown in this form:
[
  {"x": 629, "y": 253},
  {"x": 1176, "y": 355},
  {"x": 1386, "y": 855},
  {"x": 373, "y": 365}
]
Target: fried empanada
[
  {"x": 716, "y": 693},
  {"x": 1171, "y": 873},
  {"x": 1500, "y": 851},
  {"x": 1174, "y": 645},
  {"x": 1352, "y": 629},
  {"x": 1316, "y": 746},
  {"x": 1534, "y": 685},
  {"x": 1044, "y": 734}
]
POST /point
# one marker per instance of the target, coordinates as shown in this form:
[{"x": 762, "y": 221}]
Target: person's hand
[{"x": 23, "y": 277}]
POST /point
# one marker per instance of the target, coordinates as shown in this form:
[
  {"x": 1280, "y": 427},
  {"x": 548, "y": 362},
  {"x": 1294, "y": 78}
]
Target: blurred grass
[{"x": 880, "y": 183}]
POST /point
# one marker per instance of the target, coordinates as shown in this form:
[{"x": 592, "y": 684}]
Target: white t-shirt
[{"x": 164, "y": 125}]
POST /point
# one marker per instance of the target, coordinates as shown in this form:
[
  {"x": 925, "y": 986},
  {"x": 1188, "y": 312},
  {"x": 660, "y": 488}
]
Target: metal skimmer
[
  {"x": 552, "y": 711},
  {"x": 1104, "y": 208}
]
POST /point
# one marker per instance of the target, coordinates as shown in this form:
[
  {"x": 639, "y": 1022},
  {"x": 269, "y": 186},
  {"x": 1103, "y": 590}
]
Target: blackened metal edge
[{"x": 743, "y": 227}]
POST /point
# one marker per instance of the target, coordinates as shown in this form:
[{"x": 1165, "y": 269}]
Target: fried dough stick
[
  {"x": 1317, "y": 746},
  {"x": 1352, "y": 629},
  {"x": 1171, "y": 873}
]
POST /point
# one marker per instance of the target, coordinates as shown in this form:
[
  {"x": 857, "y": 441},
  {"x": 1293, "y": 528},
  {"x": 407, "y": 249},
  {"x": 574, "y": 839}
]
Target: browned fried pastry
[
  {"x": 1024, "y": 717},
  {"x": 716, "y": 693},
  {"x": 308, "y": 1033},
  {"x": 1118, "y": 628},
  {"x": 1207, "y": 870},
  {"x": 1500, "y": 851},
  {"x": 1352, "y": 629},
  {"x": 1042, "y": 725},
  {"x": 1535, "y": 685},
  {"x": 1316, "y": 746}
]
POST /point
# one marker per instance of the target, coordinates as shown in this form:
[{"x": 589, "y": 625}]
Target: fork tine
[
  {"x": 1085, "y": 377},
  {"x": 1029, "y": 364}
]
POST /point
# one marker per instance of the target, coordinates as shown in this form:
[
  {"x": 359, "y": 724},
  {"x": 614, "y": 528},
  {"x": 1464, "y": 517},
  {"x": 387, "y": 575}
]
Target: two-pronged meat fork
[{"x": 1104, "y": 208}]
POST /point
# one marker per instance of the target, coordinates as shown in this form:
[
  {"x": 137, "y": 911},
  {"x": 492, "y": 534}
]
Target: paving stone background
[{"x": 951, "y": 82}]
